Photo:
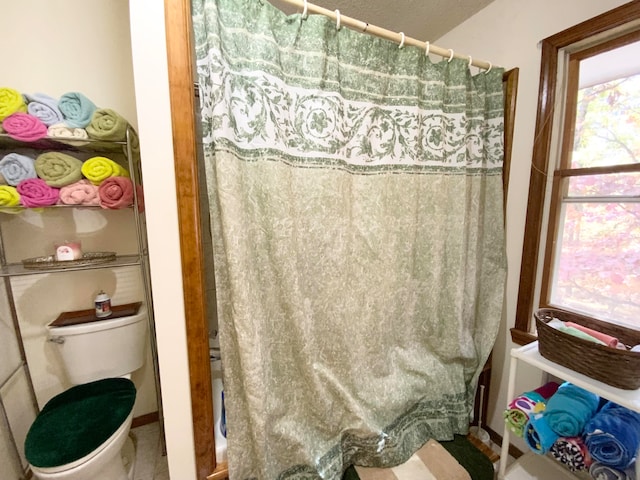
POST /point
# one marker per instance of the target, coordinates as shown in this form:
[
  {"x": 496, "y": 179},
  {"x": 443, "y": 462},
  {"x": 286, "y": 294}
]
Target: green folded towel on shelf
[{"x": 58, "y": 169}]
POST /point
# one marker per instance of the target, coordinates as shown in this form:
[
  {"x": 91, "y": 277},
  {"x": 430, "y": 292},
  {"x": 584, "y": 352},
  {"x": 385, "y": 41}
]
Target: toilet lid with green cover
[{"x": 76, "y": 422}]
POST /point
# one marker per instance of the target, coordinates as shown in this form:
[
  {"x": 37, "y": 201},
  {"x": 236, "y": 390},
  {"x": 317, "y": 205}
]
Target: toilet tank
[{"x": 103, "y": 348}]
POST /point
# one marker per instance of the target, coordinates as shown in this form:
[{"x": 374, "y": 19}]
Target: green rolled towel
[
  {"x": 106, "y": 124},
  {"x": 58, "y": 169}
]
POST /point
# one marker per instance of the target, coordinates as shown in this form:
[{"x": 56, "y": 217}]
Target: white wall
[
  {"x": 507, "y": 33},
  {"x": 154, "y": 120}
]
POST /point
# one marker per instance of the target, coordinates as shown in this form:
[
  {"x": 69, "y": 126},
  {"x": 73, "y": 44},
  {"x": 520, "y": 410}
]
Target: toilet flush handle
[{"x": 58, "y": 340}]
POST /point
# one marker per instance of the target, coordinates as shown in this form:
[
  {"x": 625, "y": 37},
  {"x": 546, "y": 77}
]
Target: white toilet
[{"x": 83, "y": 433}]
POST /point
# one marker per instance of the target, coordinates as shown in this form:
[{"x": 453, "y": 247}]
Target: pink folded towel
[
  {"x": 34, "y": 192},
  {"x": 607, "y": 339},
  {"x": 82, "y": 192},
  {"x": 116, "y": 192},
  {"x": 24, "y": 127}
]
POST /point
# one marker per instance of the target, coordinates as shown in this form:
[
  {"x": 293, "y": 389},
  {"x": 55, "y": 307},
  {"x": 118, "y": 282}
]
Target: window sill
[{"x": 521, "y": 337}]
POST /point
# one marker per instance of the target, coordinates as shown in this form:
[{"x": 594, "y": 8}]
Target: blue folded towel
[
  {"x": 538, "y": 435},
  {"x": 44, "y": 107},
  {"x": 569, "y": 410},
  {"x": 16, "y": 168},
  {"x": 76, "y": 109},
  {"x": 613, "y": 436}
]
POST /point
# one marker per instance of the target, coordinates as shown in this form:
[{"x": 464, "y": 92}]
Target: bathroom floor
[{"x": 150, "y": 463}]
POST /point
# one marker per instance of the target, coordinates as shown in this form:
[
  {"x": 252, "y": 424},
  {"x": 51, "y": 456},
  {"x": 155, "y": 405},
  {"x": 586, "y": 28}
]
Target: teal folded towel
[
  {"x": 76, "y": 109},
  {"x": 569, "y": 410}
]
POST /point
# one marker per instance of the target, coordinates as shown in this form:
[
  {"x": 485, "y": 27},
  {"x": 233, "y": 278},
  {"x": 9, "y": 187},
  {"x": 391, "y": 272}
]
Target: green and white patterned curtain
[{"x": 357, "y": 218}]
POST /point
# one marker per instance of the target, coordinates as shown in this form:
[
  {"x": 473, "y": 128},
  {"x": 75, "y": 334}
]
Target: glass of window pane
[{"x": 597, "y": 262}]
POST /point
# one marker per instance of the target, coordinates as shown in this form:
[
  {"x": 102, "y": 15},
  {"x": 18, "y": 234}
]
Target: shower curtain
[{"x": 357, "y": 219}]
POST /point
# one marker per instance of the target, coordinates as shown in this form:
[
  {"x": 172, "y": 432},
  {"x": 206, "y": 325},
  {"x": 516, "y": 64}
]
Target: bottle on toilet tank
[{"x": 103, "y": 305}]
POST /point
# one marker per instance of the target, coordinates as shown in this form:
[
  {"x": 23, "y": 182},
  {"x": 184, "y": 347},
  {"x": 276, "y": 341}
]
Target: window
[{"x": 582, "y": 237}]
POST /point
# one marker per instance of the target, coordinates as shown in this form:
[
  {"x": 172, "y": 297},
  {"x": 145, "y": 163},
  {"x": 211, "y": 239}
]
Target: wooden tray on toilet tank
[{"x": 87, "y": 316}]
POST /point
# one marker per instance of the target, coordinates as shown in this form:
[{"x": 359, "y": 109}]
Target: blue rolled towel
[
  {"x": 76, "y": 109},
  {"x": 613, "y": 436},
  {"x": 604, "y": 472},
  {"x": 44, "y": 107},
  {"x": 538, "y": 435},
  {"x": 16, "y": 168},
  {"x": 569, "y": 410}
]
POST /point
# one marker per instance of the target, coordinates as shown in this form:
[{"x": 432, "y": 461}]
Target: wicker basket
[{"x": 618, "y": 368}]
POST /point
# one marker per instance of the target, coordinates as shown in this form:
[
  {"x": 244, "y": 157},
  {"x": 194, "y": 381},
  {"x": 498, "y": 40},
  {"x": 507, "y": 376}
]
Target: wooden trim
[
  {"x": 220, "y": 473},
  {"x": 145, "y": 419},
  {"x": 180, "y": 61},
  {"x": 551, "y": 46},
  {"x": 497, "y": 439},
  {"x": 510, "y": 81}
]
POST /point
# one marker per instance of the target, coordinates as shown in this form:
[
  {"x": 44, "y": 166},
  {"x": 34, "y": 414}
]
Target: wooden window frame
[{"x": 614, "y": 23}]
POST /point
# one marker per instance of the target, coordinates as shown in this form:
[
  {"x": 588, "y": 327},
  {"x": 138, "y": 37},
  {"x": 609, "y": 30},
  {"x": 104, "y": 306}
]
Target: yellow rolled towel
[
  {"x": 98, "y": 169},
  {"x": 11, "y": 101},
  {"x": 9, "y": 196}
]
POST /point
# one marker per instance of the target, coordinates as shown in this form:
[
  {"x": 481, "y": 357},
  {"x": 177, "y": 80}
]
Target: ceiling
[{"x": 425, "y": 20}]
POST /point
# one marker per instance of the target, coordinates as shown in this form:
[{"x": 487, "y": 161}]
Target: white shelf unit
[{"x": 542, "y": 467}]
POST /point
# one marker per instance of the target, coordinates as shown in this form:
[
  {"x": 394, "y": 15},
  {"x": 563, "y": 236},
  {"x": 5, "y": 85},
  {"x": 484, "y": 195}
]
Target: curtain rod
[{"x": 397, "y": 37}]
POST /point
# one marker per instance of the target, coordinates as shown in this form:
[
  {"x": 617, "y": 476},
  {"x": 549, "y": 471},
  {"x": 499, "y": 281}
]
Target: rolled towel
[
  {"x": 538, "y": 435},
  {"x": 44, "y": 107},
  {"x": 11, "y": 101},
  {"x": 58, "y": 169},
  {"x": 15, "y": 168},
  {"x": 34, "y": 192},
  {"x": 82, "y": 192},
  {"x": 571, "y": 452},
  {"x": 517, "y": 413},
  {"x": 9, "y": 196},
  {"x": 599, "y": 471},
  {"x": 98, "y": 169},
  {"x": 613, "y": 436},
  {"x": 140, "y": 197},
  {"x": 68, "y": 135},
  {"x": 76, "y": 109},
  {"x": 24, "y": 127},
  {"x": 116, "y": 192},
  {"x": 569, "y": 409},
  {"x": 106, "y": 124}
]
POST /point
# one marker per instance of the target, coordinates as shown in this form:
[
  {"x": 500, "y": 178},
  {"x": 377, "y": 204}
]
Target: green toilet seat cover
[{"x": 76, "y": 422}]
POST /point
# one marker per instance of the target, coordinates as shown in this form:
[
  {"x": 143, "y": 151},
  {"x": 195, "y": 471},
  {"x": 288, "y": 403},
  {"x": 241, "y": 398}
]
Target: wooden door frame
[
  {"x": 180, "y": 63},
  {"x": 181, "y": 85}
]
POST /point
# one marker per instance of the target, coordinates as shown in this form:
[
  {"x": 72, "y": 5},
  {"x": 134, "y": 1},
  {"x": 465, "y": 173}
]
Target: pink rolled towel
[
  {"x": 24, "y": 127},
  {"x": 116, "y": 192},
  {"x": 34, "y": 192},
  {"x": 82, "y": 192}
]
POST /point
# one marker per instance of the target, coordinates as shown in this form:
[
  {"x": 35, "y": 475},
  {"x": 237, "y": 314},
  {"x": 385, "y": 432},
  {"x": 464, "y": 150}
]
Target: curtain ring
[
  {"x": 337, "y": 19},
  {"x": 450, "y": 56},
  {"x": 305, "y": 11},
  {"x": 366, "y": 25},
  {"x": 427, "y": 47},
  {"x": 490, "y": 67},
  {"x": 401, "y": 41},
  {"x": 470, "y": 61}
]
